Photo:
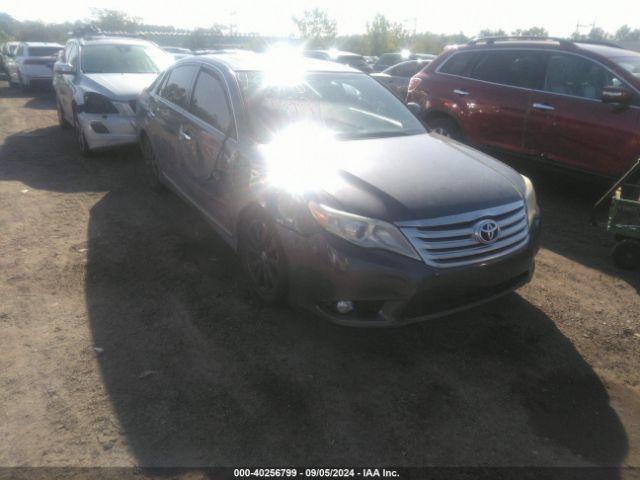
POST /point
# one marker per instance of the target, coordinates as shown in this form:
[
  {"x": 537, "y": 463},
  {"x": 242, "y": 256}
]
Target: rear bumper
[
  {"x": 105, "y": 131},
  {"x": 392, "y": 290}
]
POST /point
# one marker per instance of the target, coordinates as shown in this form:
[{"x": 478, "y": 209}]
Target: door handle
[
  {"x": 462, "y": 93},
  {"x": 184, "y": 135},
  {"x": 152, "y": 114},
  {"x": 543, "y": 106}
]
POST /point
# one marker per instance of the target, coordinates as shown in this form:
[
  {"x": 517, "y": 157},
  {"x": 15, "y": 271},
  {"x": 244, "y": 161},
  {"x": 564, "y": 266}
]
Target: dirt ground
[{"x": 128, "y": 337}]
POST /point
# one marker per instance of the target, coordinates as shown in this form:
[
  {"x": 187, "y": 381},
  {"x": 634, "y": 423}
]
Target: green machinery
[{"x": 624, "y": 218}]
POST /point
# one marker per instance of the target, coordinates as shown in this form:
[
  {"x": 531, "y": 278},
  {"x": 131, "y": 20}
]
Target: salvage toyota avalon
[{"x": 333, "y": 193}]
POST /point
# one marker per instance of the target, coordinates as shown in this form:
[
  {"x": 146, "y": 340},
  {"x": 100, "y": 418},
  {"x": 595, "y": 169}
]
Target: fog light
[{"x": 344, "y": 306}]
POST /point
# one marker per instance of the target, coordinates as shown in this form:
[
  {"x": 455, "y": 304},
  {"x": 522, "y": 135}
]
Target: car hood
[
  {"x": 119, "y": 86},
  {"x": 417, "y": 177}
]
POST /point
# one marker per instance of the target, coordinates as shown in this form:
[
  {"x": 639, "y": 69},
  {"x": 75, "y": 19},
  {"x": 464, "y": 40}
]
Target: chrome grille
[{"x": 451, "y": 241}]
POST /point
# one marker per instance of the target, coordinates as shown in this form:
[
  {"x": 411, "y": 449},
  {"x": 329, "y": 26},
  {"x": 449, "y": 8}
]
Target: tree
[
  {"x": 624, "y": 33},
  {"x": 316, "y": 28},
  {"x": 531, "y": 32},
  {"x": 384, "y": 36},
  {"x": 114, "y": 20},
  {"x": 487, "y": 32}
]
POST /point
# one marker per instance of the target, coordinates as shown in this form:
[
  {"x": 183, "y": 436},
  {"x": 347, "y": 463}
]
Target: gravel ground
[{"x": 129, "y": 337}]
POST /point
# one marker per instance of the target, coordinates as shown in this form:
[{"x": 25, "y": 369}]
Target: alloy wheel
[{"x": 263, "y": 259}]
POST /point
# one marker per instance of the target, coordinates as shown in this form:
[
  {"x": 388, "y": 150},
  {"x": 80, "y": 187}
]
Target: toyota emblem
[{"x": 487, "y": 231}]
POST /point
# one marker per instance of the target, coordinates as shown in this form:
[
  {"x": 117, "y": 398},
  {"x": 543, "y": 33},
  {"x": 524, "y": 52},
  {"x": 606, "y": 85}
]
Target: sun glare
[
  {"x": 301, "y": 157},
  {"x": 284, "y": 67}
]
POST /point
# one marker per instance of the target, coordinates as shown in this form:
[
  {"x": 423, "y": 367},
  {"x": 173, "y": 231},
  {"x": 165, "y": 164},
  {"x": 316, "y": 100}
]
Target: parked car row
[
  {"x": 330, "y": 189},
  {"x": 332, "y": 192},
  {"x": 27, "y": 64}
]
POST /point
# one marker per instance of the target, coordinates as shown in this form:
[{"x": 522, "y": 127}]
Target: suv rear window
[
  {"x": 519, "y": 68},
  {"x": 459, "y": 63},
  {"x": 43, "y": 51}
]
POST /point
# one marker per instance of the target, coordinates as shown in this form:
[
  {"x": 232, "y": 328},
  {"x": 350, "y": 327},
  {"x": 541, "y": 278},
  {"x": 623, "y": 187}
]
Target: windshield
[
  {"x": 43, "y": 51},
  {"x": 119, "y": 58},
  {"x": 631, "y": 63},
  {"x": 349, "y": 106}
]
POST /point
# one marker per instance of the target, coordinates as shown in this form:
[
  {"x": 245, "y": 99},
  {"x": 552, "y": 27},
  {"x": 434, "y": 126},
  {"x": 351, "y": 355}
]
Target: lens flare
[
  {"x": 284, "y": 66},
  {"x": 302, "y": 158}
]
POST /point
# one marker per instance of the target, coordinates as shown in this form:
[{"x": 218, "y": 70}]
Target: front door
[
  {"x": 170, "y": 110},
  {"x": 568, "y": 124},
  {"x": 207, "y": 144}
]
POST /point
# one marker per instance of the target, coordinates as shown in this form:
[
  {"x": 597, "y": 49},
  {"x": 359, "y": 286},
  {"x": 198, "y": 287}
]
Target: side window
[
  {"x": 459, "y": 63},
  {"x": 210, "y": 102},
  {"x": 516, "y": 68},
  {"x": 19, "y": 51},
  {"x": 578, "y": 76},
  {"x": 177, "y": 87},
  {"x": 72, "y": 56}
]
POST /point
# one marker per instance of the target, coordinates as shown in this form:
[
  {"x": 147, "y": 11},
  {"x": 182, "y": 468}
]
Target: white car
[
  {"x": 32, "y": 64},
  {"x": 97, "y": 80},
  {"x": 7, "y": 52}
]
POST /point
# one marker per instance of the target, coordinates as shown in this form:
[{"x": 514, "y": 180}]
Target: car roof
[
  {"x": 259, "y": 61},
  {"x": 111, "y": 40},
  {"x": 607, "y": 51},
  {"x": 604, "y": 49},
  {"x": 42, "y": 44},
  {"x": 336, "y": 53}
]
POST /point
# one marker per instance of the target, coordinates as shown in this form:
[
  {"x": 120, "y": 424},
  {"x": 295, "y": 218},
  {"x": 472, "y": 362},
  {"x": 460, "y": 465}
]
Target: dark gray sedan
[
  {"x": 397, "y": 78},
  {"x": 332, "y": 192}
]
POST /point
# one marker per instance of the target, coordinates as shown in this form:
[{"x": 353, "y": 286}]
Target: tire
[
  {"x": 83, "y": 145},
  {"x": 263, "y": 258},
  {"x": 152, "y": 172},
  {"x": 626, "y": 254},
  {"x": 23, "y": 88},
  {"x": 446, "y": 127},
  {"x": 64, "y": 124}
]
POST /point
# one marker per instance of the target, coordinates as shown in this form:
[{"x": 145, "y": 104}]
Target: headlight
[
  {"x": 362, "y": 231},
  {"x": 96, "y": 103},
  {"x": 530, "y": 199}
]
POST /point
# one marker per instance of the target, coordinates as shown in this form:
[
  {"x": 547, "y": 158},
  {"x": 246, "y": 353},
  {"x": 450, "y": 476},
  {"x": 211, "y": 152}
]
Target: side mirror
[
  {"x": 415, "y": 108},
  {"x": 616, "y": 95},
  {"x": 64, "y": 68}
]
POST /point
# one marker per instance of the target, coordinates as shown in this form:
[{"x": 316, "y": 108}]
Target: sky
[{"x": 273, "y": 17}]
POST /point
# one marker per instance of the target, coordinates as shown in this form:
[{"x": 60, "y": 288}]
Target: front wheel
[
  {"x": 83, "y": 145},
  {"x": 626, "y": 254},
  {"x": 64, "y": 124},
  {"x": 263, "y": 258}
]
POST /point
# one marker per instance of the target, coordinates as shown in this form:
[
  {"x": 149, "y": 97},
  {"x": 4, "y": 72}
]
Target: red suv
[{"x": 572, "y": 104}]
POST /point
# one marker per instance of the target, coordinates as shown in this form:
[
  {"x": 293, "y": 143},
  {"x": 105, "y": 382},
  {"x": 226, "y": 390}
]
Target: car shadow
[
  {"x": 566, "y": 201},
  {"x": 199, "y": 374}
]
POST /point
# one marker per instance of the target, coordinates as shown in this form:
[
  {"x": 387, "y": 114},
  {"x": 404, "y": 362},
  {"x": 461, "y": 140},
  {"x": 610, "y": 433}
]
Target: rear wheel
[
  {"x": 152, "y": 170},
  {"x": 263, "y": 258},
  {"x": 21, "y": 84},
  {"x": 64, "y": 124},
  {"x": 446, "y": 127},
  {"x": 626, "y": 254}
]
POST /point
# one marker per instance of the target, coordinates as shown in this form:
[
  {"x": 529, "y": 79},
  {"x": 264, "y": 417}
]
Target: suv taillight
[{"x": 414, "y": 83}]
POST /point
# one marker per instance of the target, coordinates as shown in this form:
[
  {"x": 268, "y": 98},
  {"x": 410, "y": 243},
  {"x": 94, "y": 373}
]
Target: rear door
[
  {"x": 209, "y": 145},
  {"x": 568, "y": 124},
  {"x": 170, "y": 111},
  {"x": 496, "y": 103}
]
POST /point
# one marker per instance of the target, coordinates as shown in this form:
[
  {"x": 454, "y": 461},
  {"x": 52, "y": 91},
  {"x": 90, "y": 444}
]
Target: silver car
[
  {"x": 32, "y": 64},
  {"x": 97, "y": 79},
  {"x": 7, "y": 52}
]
